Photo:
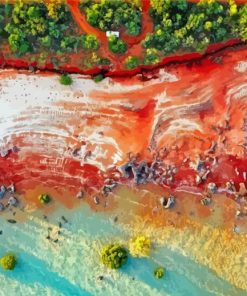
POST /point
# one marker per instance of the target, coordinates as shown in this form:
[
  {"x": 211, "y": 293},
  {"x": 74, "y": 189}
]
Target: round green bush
[
  {"x": 65, "y": 79},
  {"x": 116, "y": 45},
  {"x": 44, "y": 198},
  {"x": 98, "y": 78},
  {"x": 8, "y": 261},
  {"x": 114, "y": 256},
  {"x": 159, "y": 272}
]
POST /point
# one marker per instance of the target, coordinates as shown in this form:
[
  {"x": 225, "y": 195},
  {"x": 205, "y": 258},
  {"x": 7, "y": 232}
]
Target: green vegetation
[
  {"x": 8, "y": 261},
  {"x": 65, "y": 79},
  {"x": 98, "y": 78},
  {"x": 112, "y": 15},
  {"x": 30, "y": 27},
  {"x": 140, "y": 246},
  {"x": 43, "y": 31},
  {"x": 114, "y": 256},
  {"x": 182, "y": 26},
  {"x": 93, "y": 59},
  {"x": 5, "y": 12},
  {"x": 151, "y": 56},
  {"x": 116, "y": 45},
  {"x": 159, "y": 272},
  {"x": 241, "y": 23},
  {"x": 89, "y": 42},
  {"x": 44, "y": 198},
  {"x": 131, "y": 62}
]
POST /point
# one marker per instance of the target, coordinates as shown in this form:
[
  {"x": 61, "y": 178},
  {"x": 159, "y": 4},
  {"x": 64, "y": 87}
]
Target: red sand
[{"x": 219, "y": 82}]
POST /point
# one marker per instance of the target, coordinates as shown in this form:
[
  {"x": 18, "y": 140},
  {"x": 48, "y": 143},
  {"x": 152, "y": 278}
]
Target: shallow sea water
[{"x": 71, "y": 266}]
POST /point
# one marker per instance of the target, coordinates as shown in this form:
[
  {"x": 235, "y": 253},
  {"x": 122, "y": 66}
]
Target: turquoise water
[{"x": 71, "y": 267}]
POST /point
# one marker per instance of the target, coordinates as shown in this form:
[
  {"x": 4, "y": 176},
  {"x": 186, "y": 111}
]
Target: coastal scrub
[
  {"x": 44, "y": 198},
  {"x": 114, "y": 256},
  {"x": 65, "y": 79},
  {"x": 140, "y": 246},
  {"x": 159, "y": 272},
  {"x": 8, "y": 261}
]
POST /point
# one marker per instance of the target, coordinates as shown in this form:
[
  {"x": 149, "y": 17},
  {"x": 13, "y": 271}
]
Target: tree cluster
[
  {"x": 112, "y": 15},
  {"x": 31, "y": 28},
  {"x": 180, "y": 25}
]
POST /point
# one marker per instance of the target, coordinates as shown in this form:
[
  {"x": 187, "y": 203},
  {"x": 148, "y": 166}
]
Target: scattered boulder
[
  {"x": 2, "y": 191},
  {"x": 199, "y": 165},
  {"x": 198, "y": 179},
  {"x": 12, "y": 221},
  {"x": 206, "y": 201},
  {"x": 12, "y": 201},
  {"x": 212, "y": 187},
  {"x": 167, "y": 202},
  {"x": 239, "y": 213},
  {"x": 96, "y": 200},
  {"x": 2, "y": 207},
  {"x": 230, "y": 186},
  {"x": 4, "y": 153},
  {"x": 11, "y": 188},
  {"x": 80, "y": 194}
]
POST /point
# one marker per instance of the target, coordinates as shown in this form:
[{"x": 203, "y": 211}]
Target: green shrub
[
  {"x": 98, "y": 78},
  {"x": 65, "y": 79},
  {"x": 89, "y": 42},
  {"x": 44, "y": 198},
  {"x": 131, "y": 62},
  {"x": 151, "y": 57},
  {"x": 116, "y": 45},
  {"x": 159, "y": 272},
  {"x": 8, "y": 261},
  {"x": 114, "y": 256}
]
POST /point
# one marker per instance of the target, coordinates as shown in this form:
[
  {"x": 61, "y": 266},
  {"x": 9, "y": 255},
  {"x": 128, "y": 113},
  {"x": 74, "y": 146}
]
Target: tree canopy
[{"x": 112, "y": 15}]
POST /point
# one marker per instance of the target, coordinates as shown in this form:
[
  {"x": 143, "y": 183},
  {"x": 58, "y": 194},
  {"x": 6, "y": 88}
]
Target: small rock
[
  {"x": 167, "y": 202},
  {"x": 212, "y": 187},
  {"x": 15, "y": 149},
  {"x": 64, "y": 219},
  {"x": 80, "y": 194},
  {"x": 2, "y": 207},
  {"x": 2, "y": 191},
  {"x": 236, "y": 229},
  {"x": 239, "y": 213},
  {"x": 101, "y": 277},
  {"x": 206, "y": 201},
  {"x": 230, "y": 186},
  {"x": 11, "y": 188},
  {"x": 199, "y": 165},
  {"x": 12, "y": 201},
  {"x": 4, "y": 153},
  {"x": 96, "y": 200},
  {"x": 198, "y": 179},
  {"x": 12, "y": 221}
]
